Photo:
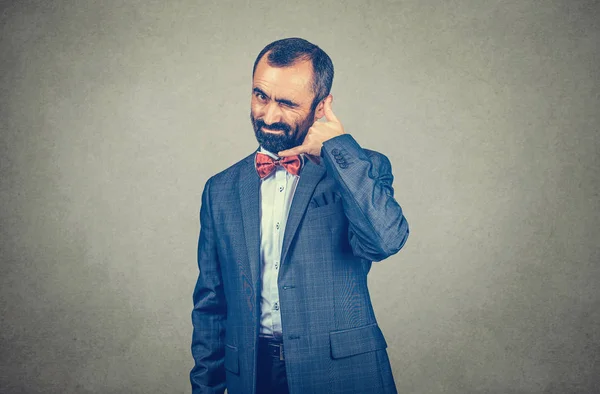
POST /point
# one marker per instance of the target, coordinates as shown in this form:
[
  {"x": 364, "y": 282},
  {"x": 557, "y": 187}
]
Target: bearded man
[{"x": 287, "y": 238}]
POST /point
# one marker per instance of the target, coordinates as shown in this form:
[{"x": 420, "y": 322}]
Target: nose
[{"x": 272, "y": 113}]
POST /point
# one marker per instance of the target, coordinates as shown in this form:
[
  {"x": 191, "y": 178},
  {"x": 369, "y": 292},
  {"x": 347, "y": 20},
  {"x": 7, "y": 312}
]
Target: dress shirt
[{"x": 276, "y": 194}]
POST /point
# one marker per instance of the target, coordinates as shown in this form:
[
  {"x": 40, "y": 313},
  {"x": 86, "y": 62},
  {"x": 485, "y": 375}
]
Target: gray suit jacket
[{"x": 343, "y": 217}]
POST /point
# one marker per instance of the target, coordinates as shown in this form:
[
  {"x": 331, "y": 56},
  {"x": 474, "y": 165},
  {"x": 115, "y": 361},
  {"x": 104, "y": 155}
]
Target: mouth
[{"x": 271, "y": 131}]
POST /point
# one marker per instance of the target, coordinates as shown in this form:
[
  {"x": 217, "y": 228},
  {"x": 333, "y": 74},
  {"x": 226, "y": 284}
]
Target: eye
[
  {"x": 287, "y": 104},
  {"x": 260, "y": 96}
]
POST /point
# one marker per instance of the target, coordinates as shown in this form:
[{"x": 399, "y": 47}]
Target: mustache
[{"x": 278, "y": 126}]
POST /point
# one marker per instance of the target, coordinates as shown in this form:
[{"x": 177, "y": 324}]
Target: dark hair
[{"x": 285, "y": 52}]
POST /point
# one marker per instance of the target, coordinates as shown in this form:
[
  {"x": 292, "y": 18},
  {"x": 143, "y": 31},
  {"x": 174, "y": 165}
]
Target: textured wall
[{"x": 113, "y": 115}]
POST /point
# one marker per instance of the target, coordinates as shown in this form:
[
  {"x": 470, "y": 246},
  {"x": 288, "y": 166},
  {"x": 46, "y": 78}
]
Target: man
[{"x": 287, "y": 238}]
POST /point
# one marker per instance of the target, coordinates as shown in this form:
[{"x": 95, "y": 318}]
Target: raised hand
[{"x": 318, "y": 133}]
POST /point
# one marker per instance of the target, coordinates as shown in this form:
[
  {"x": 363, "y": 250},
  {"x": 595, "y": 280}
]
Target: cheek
[
  {"x": 255, "y": 108},
  {"x": 294, "y": 117}
]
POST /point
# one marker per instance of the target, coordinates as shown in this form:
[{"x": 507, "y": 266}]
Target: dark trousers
[{"x": 270, "y": 375}]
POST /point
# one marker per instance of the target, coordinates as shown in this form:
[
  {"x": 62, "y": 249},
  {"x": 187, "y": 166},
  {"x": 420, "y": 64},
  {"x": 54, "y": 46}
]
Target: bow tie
[{"x": 265, "y": 164}]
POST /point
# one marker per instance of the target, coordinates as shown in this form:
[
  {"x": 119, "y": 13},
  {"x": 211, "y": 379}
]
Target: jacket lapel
[
  {"x": 250, "y": 202},
  {"x": 249, "y": 189},
  {"x": 310, "y": 176}
]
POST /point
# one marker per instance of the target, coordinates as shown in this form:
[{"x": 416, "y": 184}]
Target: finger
[
  {"x": 293, "y": 151},
  {"x": 329, "y": 115}
]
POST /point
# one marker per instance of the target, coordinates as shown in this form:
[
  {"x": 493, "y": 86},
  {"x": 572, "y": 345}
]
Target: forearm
[{"x": 377, "y": 225}]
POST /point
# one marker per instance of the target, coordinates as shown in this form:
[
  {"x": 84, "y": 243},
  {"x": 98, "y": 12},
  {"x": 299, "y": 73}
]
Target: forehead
[{"x": 294, "y": 81}]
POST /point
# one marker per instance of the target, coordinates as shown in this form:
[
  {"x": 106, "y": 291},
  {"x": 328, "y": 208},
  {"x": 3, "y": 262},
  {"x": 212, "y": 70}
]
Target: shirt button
[
  {"x": 276, "y": 306},
  {"x": 277, "y": 225},
  {"x": 280, "y": 188},
  {"x": 277, "y": 265}
]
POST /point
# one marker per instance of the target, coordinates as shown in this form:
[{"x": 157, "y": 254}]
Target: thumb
[{"x": 329, "y": 115}]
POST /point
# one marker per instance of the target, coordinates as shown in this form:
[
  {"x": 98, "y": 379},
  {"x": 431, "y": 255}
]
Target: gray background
[{"x": 114, "y": 114}]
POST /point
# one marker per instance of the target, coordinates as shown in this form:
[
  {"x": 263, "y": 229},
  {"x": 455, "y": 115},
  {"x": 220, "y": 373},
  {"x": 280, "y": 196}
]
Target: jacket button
[{"x": 335, "y": 151}]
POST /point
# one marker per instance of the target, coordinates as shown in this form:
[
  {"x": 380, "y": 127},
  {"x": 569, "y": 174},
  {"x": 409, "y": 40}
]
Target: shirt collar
[
  {"x": 274, "y": 156},
  {"x": 268, "y": 153}
]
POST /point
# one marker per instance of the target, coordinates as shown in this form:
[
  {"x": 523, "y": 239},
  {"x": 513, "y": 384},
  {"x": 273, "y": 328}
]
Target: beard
[{"x": 291, "y": 136}]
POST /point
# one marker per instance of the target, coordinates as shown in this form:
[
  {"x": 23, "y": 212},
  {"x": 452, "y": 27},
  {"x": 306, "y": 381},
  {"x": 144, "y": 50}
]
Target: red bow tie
[{"x": 265, "y": 164}]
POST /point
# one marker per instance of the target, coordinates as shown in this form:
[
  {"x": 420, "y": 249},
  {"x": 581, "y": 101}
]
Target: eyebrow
[{"x": 289, "y": 103}]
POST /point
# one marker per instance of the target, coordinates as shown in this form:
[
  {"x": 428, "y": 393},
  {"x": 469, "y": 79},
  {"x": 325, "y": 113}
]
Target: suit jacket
[{"x": 343, "y": 216}]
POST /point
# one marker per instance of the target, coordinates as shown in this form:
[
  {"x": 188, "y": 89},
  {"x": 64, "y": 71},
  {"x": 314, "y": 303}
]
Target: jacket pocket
[
  {"x": 232, "y": 359},
  {"x": 353, "y": 341},
  {"x": 324, "y": 211}
]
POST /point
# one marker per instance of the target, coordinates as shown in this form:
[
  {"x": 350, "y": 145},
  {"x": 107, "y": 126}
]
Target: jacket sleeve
[
  {"x": 377, "y": 226},
  {"x": 210, "y": 310}
]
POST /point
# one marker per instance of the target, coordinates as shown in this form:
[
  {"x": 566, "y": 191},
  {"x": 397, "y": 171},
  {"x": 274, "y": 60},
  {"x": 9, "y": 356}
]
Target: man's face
[{"x": 281, "y": 103}]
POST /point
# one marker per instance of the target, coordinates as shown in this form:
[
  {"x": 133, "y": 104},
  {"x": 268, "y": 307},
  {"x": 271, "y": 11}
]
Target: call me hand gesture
[{"x": 318, "y": 133}]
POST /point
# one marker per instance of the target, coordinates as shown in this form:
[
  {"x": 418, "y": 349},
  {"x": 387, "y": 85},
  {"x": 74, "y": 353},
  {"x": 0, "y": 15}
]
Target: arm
[
  {"x": 377, "y": 226},
  {"x": 210, "y": 310}
]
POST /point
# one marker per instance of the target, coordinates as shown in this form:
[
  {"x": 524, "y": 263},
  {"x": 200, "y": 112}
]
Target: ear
[{"x": 319, "y": 110}]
